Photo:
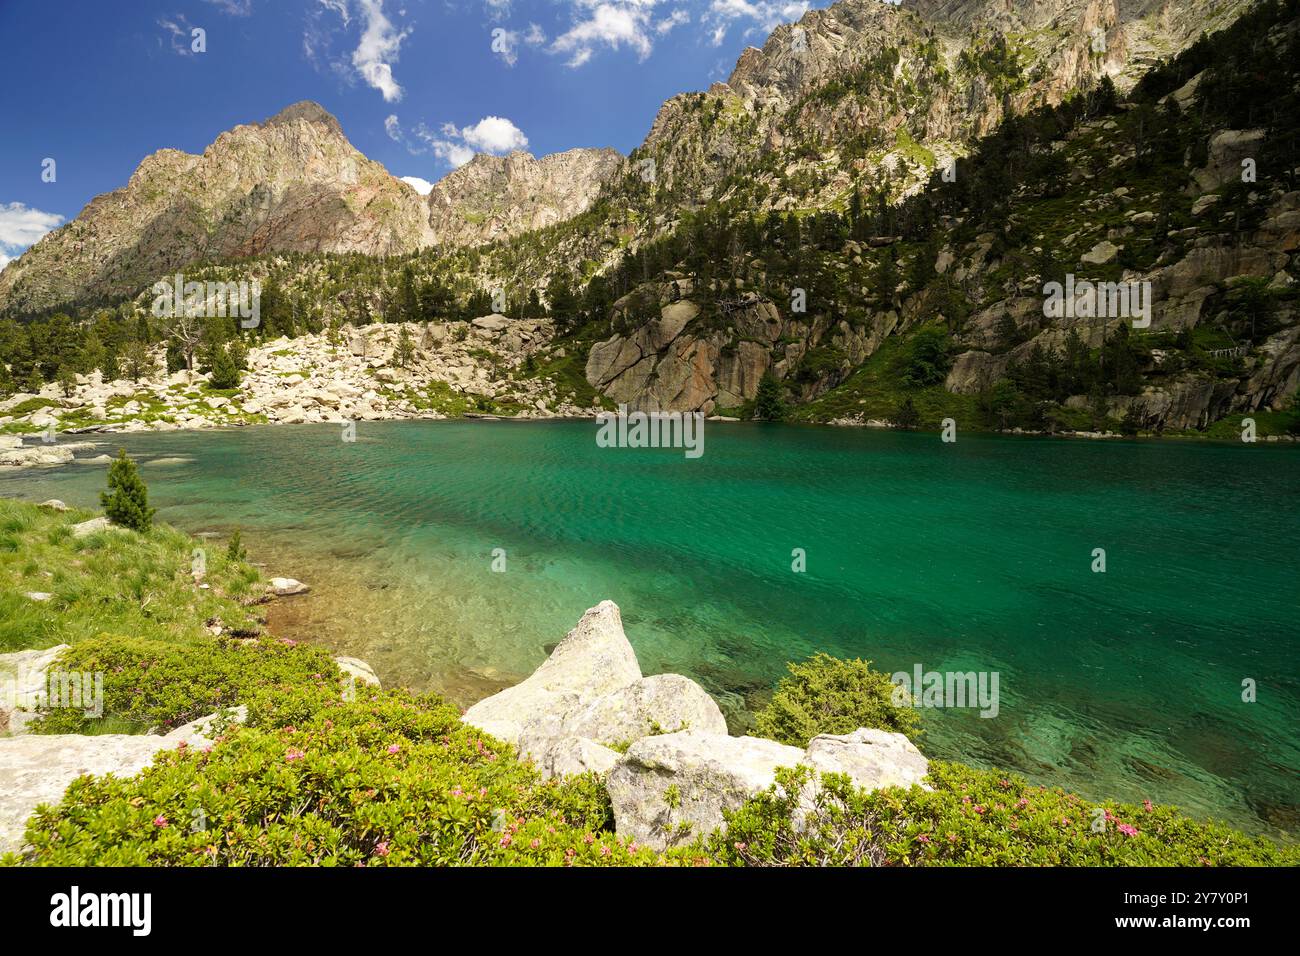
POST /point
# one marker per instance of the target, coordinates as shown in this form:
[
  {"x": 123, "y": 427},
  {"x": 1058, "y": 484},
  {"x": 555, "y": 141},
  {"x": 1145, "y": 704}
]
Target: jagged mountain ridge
[
  {"x": 880, "y": 89},
  {"x": 293, "y": 183}
]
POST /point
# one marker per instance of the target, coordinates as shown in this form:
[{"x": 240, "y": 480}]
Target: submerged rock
[{"x": 285, "y": 587}]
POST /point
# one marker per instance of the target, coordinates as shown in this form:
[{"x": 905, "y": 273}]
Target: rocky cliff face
[
  {"x": 495, "y": 197},
  {"x": 862, "y": 87},
  {"x": 291, "y": 184}
]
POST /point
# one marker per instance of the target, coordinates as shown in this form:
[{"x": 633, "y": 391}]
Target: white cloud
[
  {"x": 611, "y": 23},
  {"x": 394, "y": 129},
  {"x": 492, "y": 134},
  {"x": 21, "y": 225},
  {"x": 765, "y": 14},
  {"x": 178, "y": 34},
  {"x": 378, "y": 50},
  {"x": 236, "y": 8},
  {"x": 535, "y": 36},
  {"x": 421, "y": 186},
  {"x": 503, "y": 45},
  {"x": 340, "y": 7},
  {"x": 674, "y": 19}
]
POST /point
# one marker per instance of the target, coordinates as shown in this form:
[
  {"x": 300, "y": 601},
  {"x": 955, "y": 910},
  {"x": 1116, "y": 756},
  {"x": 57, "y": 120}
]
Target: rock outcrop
[
  {"x": 679, "y": 771},
  {"x": 37, "y": 768},
  {"x": 23, "y": 678}
]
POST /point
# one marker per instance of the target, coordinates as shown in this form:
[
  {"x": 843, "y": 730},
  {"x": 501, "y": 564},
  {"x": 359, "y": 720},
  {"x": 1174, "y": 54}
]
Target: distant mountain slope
[
  {"x": 292, "y": 183},
  {"x": 494, "y": 197}
]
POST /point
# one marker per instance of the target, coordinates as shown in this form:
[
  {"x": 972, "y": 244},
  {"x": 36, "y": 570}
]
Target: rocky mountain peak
[
  {"x": 492, "y": 197},
  {"x": 305, "y": 111}
]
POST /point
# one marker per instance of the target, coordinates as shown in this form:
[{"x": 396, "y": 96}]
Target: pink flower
[
  {"x": 1127, "y": 830},
  {"x": 1147, "y": 804},
  {"x": 457, "y": 792},
  {"x": 604, "y": 850},
  {"x": 394, "y": 749},
  {"x": 924, "y": 838},
  {"x": 535, "y": 844},
  {"x": 979, "y": 808},
  {"x": 293, "y": 754},
  {"x": 1022, "y": 802},
  {"x": 160, "y": 822},
  {"x": 952, "y": 838},
  {"x": 740, "y": 847},
  {"x": 382, "y": 848},
  {"x": 506, "y": 840},
  {"x": 589, "y": 839}
]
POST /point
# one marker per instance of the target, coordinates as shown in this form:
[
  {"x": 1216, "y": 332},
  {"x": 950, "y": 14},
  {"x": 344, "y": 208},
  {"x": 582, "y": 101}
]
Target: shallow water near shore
[{"x": 973, "y": 556}]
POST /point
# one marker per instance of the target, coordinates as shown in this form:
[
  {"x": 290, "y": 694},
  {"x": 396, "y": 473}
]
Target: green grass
[{"x": 115, "y": 581}]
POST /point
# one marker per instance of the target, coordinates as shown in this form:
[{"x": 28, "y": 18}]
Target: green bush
[
  {"x": 825, "y": 695},
  {"x": 387, "y": 780},
  {"x": 152, "y": 684},
  {"x": 127, "y": 500},
  {"x": 973, "y": 818}
]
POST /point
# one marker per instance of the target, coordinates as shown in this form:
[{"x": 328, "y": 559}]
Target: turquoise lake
[{"x": 973, "y": 556}]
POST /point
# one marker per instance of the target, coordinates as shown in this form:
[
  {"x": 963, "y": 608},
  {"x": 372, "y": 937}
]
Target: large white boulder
[
  {"x": 566, "y": 756},
  {"x": 706, "y": 773},
  {"x": 594, "y": 659},
  {"x": 358, "y": 669},
  {"x": 873, "y": 759},
  {"x": 710, "y": 773},
  {"x": 662, "y": 704}
]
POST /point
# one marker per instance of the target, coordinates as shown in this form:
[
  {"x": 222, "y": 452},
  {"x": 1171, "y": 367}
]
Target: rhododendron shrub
[
  {"x": 388, "y": 779},
  {"x": 155, "y": 684},
  {"x": 971, "y": 818}
]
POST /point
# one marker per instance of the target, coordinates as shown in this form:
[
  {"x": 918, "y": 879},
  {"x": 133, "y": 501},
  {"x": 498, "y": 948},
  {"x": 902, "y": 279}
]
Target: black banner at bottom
[{"x": 221, "y": 906}]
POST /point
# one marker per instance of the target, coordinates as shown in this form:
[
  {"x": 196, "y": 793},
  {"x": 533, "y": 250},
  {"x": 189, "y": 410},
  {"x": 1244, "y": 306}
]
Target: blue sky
[{"x": 419, "y": 85}]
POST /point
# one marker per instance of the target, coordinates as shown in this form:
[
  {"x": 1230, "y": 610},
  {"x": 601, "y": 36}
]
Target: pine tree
[
  {"x": 225, "y": 374},
  {"x": 405, "y": 349},
  {"x": 767, "y": 403},
  {"x": 66, "y": 379},
  {"x": 126, "y": 503}
]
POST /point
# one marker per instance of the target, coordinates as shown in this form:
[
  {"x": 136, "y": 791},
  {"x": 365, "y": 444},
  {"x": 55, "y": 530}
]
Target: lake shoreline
[{"x": 16, "y": 453}]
